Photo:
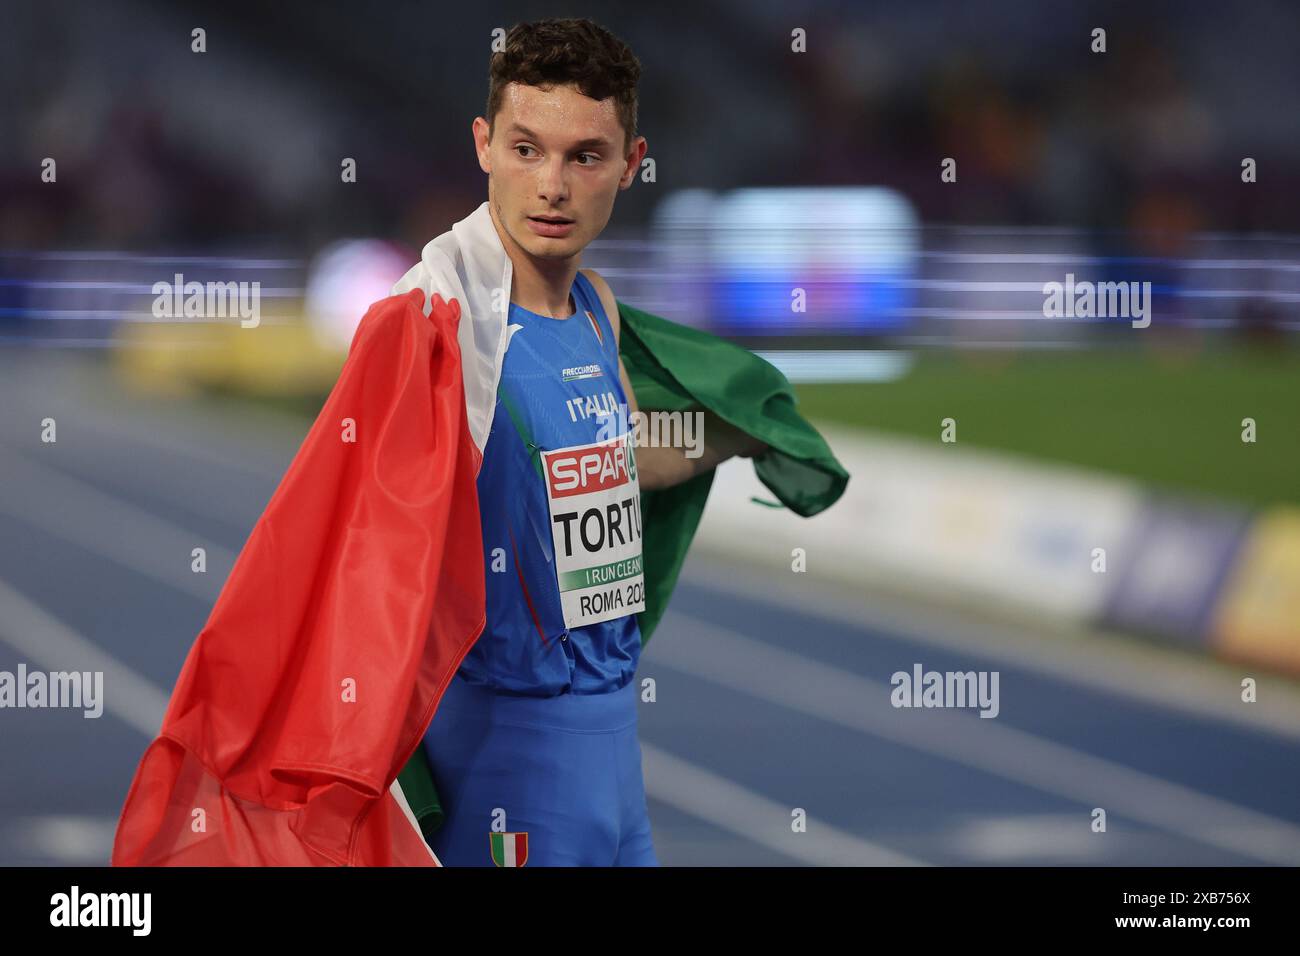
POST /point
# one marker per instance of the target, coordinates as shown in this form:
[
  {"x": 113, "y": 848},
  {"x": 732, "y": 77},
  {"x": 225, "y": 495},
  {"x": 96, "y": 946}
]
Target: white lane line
[
  {"x": 719, "y": 801},
  {"x": 108, "y": 526},
  {"x": 172, "y": 433},
  {"x": 68, "y": 840},
  {"x": 798, "y": 683},
  {"x": 1043, "y": 838},
  {"x": 40, "y": 637},
  {"x": 217, "y": 495},
  {"x": 188, "y": 434},
  {"x": 1159, "y": 675}
]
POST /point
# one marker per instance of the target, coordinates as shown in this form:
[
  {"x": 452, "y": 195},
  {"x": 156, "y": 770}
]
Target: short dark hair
[{"x": 569, "y": 50}]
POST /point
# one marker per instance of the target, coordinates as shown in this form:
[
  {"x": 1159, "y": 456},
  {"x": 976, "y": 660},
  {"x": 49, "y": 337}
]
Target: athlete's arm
[{"x": 660, "y": 466}]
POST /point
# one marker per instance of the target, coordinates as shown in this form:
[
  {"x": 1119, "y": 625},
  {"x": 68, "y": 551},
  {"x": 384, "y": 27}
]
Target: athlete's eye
[
  {"x": 522, "y": 146},
  {"x": 594, "y": 158}
]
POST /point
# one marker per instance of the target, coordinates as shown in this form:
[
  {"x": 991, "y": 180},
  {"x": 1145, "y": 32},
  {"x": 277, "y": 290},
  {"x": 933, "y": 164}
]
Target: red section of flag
[
  {"x": 366, "y": 571},
  {"x": 600, "y": 336}
]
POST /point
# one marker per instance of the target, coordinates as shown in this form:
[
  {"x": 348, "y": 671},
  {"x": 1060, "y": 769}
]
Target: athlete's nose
[{"x": 551, "y": 186}]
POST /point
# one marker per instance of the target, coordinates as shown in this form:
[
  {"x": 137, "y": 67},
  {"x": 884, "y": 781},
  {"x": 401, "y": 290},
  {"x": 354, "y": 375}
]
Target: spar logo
[{"x": 580, "y": 471}]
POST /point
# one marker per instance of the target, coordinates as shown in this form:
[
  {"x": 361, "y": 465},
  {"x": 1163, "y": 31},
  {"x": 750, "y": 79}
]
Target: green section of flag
[
  {"x": 416, "y": 781},
  {"x": 601, "y": 573},
  {"x": 674, "y": 367}
]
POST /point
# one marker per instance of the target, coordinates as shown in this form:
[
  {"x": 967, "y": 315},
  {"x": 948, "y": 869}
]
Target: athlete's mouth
[{"x": 556, "y": 220}]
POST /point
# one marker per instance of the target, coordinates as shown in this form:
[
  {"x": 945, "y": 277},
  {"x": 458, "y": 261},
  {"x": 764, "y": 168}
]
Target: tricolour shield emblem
[{"x": 509, "y": 849}]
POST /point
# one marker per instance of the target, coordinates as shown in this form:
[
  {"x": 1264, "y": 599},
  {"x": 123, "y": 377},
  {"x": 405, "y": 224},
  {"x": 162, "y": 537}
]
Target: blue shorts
[{"x": 566, "y": 770}]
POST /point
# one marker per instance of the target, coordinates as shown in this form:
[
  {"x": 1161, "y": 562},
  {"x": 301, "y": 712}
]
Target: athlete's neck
[
  {"x": 541, "y": 286},
  {"x": 538, "y": 296}
]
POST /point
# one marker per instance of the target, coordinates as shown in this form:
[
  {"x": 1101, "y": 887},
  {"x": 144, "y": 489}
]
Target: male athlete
[{"x": 537, "y": 733}]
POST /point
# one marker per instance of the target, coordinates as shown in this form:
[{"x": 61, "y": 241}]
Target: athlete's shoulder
[{"x": 606, "y": 296}]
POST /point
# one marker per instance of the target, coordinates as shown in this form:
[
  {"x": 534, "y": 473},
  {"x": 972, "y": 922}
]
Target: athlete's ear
[
  {"x": 634, "y": 157},
  {"x": 480, "y": 130}
]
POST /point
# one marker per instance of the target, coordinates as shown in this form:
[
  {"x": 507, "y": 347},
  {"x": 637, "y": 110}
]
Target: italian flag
[
  {"x": 348, "y": 610},
  {"x": 292, "y": 737}
]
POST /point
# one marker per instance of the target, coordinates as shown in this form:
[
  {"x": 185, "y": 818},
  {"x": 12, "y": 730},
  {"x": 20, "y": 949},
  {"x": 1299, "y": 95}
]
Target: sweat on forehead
[{"x": 536, "y": 113}]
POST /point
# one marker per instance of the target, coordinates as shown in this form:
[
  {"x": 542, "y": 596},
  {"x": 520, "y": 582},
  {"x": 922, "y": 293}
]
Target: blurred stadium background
[{"x": 1120, "y": 689}]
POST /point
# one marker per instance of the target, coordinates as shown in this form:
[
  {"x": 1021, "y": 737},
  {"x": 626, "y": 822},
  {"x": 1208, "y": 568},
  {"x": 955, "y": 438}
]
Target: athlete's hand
[
  {"x": 754, "y": 448},
  {"x": 729, "y": 441}
]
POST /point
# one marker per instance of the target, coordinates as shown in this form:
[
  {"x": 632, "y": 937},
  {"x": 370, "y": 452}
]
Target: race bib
[{"x": 595, "y": 505}]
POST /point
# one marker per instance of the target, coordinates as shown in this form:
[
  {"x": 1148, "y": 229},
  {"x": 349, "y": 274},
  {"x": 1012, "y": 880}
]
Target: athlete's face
[{"x": 555, "y": 154}]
